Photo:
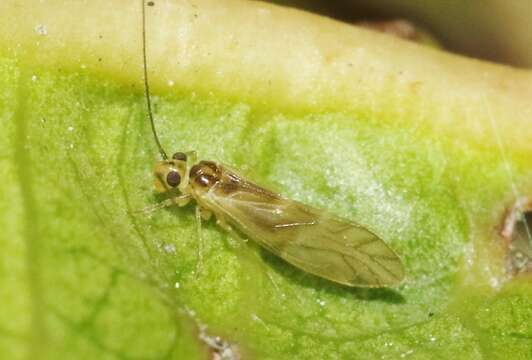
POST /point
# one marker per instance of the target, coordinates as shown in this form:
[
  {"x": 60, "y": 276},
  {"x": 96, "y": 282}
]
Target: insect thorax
[{"x": 205, "y": 175}]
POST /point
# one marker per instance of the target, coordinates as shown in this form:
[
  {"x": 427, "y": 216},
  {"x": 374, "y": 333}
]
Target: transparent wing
[{"x": 313, "y": 240}]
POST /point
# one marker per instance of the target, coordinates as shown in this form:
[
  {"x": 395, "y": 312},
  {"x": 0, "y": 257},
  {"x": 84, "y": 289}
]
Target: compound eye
[
  {"x": 173, "y": 178},
  {"x": 180, "y": 156}
]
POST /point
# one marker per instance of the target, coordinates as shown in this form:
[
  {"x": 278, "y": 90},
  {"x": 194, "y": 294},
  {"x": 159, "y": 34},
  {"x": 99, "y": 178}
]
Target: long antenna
[{"x": 147, "y": 87}]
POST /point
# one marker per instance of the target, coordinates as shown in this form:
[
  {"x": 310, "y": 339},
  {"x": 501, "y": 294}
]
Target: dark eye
[
  {"x": 179, "y": 156},
  {"x": 173, "y": 178}
]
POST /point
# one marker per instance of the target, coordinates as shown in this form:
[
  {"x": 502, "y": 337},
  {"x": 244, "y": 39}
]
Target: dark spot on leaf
[
  {"x": 517, "y": 235},
  {"x": 151, "y": 3}
]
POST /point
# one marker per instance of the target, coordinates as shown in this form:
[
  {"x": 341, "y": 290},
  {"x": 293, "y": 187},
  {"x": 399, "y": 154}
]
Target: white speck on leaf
[
  {"x": 177, "y": 285},
  {"x": 221, "y": 349},
  {"x": 405, "y": 354},
  {"x": 34, "y": 78},
  {"x": 255, "y": 317},
  {"x": 190, "y": 312},
  {"x": 169, "y": 248},
  {"x": 41, "y": 30}
]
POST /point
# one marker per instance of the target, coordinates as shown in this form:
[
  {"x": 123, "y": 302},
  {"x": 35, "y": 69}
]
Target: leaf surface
[{"x": 420, "y": 146}]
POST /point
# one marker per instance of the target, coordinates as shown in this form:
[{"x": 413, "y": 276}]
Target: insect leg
[
  {"x": 181, "y": 200},
  {"x": 224, "y": 225},
  {"x": 205, "y": 214},
  {"x": 220, "y": 221},
  {"x": 200, "y": 241},
  {"x": 252, "y": 256}
]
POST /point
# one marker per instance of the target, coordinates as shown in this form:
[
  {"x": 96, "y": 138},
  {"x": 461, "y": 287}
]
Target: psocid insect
[{"x": 313, "y": 240}]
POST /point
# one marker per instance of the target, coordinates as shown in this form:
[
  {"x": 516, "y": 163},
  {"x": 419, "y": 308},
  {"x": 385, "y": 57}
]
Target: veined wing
[{"x": 312, "y": 240}]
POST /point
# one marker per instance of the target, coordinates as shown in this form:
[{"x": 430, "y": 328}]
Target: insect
[{"x": 314, "y": 241}]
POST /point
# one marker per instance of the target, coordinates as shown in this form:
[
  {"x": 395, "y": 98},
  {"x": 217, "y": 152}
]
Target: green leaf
[{"x": 425, "y": 148}]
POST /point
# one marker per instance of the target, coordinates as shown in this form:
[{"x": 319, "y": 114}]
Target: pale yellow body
[{"x": 312, "y": 240}]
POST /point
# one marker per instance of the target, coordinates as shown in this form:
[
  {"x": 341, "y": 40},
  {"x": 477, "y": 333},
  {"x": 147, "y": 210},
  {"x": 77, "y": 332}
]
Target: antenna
[{"x": 147, "y": 87}]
